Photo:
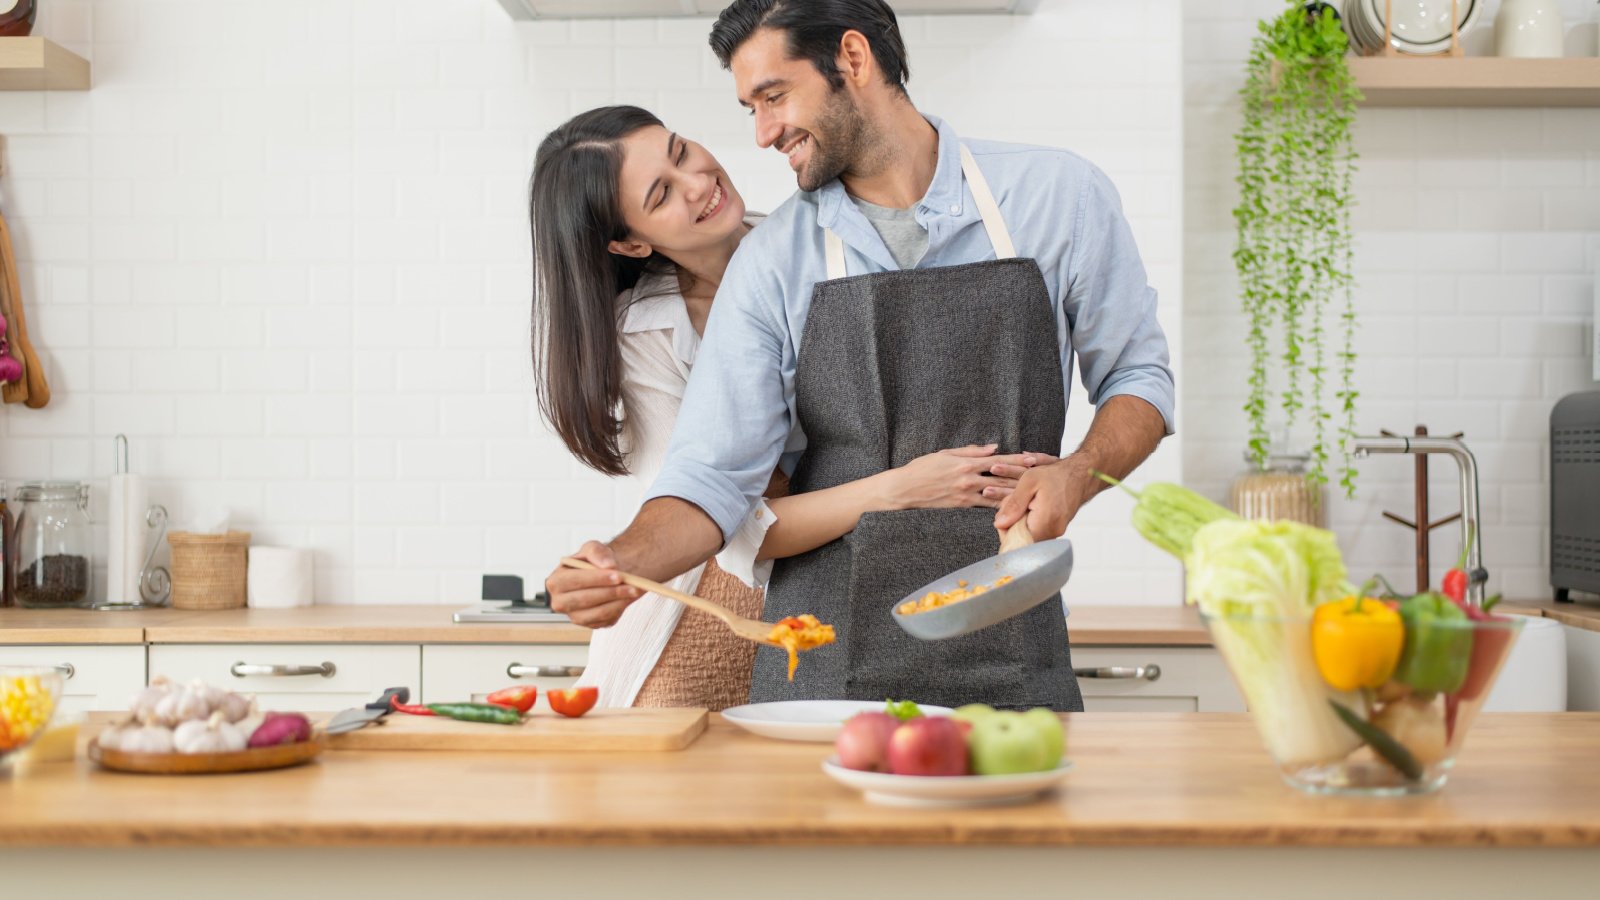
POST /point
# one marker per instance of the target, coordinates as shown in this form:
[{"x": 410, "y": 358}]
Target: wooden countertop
[
  {"x": 1584, "y": 615},
  {"x": 1161, "y": 779},
  {"x": 1088, "y": 626}
]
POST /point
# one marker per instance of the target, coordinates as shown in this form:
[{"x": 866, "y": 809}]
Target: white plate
[
  {"x": 946, "y": 791},
  {"x": 1420, "y": 26},
  {"x": 806, "y": 720}
]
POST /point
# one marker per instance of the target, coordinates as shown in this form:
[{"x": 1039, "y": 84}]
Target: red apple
[
  {"x": 863, "y": 744},
  {"x": 931, "y": 745}
]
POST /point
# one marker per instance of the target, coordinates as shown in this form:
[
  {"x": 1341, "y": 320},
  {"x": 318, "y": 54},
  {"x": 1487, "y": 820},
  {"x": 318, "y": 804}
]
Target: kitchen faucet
[{"x": 1471, "y": 529}]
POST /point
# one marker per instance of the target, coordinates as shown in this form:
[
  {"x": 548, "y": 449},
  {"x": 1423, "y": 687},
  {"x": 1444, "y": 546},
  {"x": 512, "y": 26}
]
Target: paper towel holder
[{"x": 155, "y": 582}]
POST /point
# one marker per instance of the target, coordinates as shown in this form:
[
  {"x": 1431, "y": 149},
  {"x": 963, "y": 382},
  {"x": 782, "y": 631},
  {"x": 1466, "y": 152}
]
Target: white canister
[
  {"x": 1529, "y": 28},
  {"x": 280, "y": 577}
]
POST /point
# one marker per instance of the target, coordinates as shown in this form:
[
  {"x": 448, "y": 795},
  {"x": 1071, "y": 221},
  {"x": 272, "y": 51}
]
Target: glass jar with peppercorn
[{"x": 52, "y": 545}]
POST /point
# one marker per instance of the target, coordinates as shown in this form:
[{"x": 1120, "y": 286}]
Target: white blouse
[{"x": 659, "y": 344}]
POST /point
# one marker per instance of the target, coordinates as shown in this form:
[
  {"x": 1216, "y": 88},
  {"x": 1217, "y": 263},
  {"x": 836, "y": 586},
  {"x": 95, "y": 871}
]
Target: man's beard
[{"x": 837, "y": 142}]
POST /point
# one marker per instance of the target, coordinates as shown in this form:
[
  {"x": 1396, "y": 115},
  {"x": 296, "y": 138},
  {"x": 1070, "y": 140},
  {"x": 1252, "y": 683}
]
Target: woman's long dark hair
[{"x": 575, "y": 212}]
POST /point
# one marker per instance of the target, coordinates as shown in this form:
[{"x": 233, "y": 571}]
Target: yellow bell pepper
[{"x": 1356, "y": 642}]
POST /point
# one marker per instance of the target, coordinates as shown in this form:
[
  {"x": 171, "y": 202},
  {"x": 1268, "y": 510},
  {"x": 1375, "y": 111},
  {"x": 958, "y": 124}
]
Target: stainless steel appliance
[{"x": 1575, "y": 495}]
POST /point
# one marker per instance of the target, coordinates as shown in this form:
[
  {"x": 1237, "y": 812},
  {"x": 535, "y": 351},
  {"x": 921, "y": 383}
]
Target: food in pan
[{"x": 936, "y": 599}]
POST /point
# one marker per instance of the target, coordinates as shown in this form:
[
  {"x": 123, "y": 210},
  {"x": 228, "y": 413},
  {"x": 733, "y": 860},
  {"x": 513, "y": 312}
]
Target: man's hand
[
  {"x": 1049, "y": 496},
  {"x": 1124, "y": 432},
  {"x": 593, "y": 598}
]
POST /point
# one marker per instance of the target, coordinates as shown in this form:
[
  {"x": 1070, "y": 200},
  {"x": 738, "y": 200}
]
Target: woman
[{"x": 633, "y": 227}]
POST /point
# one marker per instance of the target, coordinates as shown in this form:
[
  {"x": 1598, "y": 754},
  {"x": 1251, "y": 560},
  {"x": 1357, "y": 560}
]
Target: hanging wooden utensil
[{"x": 34, "y": 391}]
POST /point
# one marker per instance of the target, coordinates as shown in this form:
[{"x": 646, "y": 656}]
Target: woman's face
[{"x": 675, "y": 197}]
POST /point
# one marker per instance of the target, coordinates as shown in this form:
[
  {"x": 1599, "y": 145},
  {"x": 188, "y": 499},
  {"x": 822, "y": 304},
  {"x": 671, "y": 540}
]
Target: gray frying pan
[{"x": 1038, "y": 571}]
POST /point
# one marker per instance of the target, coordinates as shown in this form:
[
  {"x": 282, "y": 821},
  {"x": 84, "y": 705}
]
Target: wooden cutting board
[{"x": 600, "y": 729}]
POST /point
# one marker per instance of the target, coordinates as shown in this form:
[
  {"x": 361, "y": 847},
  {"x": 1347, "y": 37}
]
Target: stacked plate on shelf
[{"x": 1421, "y": 27}]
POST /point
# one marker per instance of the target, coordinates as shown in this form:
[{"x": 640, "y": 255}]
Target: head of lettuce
[{"x": 1257, "y": 584}]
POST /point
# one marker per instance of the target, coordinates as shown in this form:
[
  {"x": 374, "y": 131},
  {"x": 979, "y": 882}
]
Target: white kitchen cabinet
[
  {"x": 619, "y": 9},
  {"x": 1154, "y": 679},
  {"x": 1583, "y": 669},
  {"x": 98, "y": 676},
  {"x": 307, "y": 677},
  {"x": 470, "y": 671}
]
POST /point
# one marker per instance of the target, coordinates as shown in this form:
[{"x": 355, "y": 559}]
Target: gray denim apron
[{"x": 893, "y": 366}]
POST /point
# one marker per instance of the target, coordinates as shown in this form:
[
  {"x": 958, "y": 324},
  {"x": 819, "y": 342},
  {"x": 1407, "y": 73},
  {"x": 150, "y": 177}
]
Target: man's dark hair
[{"x": 814, "y": 29}]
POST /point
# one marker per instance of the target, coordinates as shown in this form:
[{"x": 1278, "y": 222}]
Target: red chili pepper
[
  {"x": 1454, "y": 585},
  {"x": 416, "y": 709}
]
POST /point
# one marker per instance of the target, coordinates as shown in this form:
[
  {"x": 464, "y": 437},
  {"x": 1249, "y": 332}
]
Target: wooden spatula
[
  {"x": 1016, "y": 536},
  {"x": 32, "y": 391},
  {"x": 749, "y": 629}
]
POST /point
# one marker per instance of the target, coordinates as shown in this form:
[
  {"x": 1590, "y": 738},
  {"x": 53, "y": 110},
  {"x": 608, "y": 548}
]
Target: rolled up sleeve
[
  {"x": 735, "y": 419},
  {"x": 1111, "y": 308}
]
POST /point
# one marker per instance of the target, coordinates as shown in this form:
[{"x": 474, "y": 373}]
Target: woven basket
[{"x": 208, "y": 570}]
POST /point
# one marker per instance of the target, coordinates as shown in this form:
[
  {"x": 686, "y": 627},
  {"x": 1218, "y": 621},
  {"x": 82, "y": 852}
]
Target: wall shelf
[
  {"x": 1477, "y": 81},
  {"x": 38, "y": 64},
  {"x": 624, "y": 9}
]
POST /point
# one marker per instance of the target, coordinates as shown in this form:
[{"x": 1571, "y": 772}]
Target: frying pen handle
[{"x": 1016, "y": 536}]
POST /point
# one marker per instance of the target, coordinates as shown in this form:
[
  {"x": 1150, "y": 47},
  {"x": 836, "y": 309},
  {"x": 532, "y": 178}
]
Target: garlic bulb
[
  {"x": 194, "y": 702},
  {"x": 235, "y": 707},
  {"x": 148, "y": 739},
  {"x": 145, "y": 702},
  {"x": 213, "y": 735},
  {"x": 111, "y": 738}
]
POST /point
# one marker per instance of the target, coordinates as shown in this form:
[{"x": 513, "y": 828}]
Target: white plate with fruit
[
  {"x": 806, "y": 720},
  {"x": 976, "y": 756}
]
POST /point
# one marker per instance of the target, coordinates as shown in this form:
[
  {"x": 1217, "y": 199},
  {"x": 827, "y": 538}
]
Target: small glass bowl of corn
[{"x": 28, "y": 697}]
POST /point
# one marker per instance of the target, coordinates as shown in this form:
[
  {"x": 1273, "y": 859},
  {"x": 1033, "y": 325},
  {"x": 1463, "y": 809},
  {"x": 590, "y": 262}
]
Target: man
[{"x": 921, "y": 291}]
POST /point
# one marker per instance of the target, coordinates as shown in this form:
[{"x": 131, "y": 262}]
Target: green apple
[
  {"x": 1006, "y": 743},
  {"x": 972, "y": 712},
  {"x": 1048, "y": 724}
]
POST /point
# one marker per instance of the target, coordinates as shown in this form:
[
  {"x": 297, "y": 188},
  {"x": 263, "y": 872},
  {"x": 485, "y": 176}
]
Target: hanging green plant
[{"x": 1294, "y": 253}]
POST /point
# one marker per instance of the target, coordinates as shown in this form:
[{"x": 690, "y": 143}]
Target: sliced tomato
[
  {"x": 574, "y": 702},
  {"x": 520, "y": 698},
  {"x": 792, "y": 622}
]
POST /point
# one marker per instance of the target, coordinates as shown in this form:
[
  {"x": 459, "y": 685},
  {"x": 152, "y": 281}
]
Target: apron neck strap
[{"x": 981, "y": 196}]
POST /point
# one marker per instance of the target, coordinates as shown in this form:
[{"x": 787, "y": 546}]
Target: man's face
[{"x": 797, "y": 112}]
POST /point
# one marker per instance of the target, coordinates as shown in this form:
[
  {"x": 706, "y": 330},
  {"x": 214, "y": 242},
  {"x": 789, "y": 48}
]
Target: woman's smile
[{"x": 713, "y": 205}]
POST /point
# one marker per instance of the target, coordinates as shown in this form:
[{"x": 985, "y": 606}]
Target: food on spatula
[
  {"x": 936, "y": 599},
  {"x": 796, "y": 633}
]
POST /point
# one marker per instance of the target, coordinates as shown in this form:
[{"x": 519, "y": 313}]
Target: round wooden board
[{"x": 259, "y": 758}]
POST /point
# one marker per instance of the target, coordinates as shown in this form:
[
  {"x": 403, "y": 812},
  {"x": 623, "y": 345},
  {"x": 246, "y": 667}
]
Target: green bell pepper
[{"x": 1438, "y": 645}]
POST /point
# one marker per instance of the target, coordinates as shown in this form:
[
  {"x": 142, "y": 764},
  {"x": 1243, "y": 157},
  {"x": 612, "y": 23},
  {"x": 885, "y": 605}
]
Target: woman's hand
[{"x": 957, "y": 478}]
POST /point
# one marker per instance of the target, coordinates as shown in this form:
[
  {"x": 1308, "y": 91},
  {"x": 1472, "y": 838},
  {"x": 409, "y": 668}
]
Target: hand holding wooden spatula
[{"x": 749, "y": 629}]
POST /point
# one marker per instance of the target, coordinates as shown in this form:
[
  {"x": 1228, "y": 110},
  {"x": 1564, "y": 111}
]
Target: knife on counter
[{"x": 362, "y": 716}]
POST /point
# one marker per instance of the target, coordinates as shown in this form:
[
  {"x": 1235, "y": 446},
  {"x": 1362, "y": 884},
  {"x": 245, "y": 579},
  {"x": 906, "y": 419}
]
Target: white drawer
[
  {"x": 100, "y": 677},
  {"x": 470, "y": 671},
  {"x": 1191, "y": 679},
  {"x": 356, "y": 673}
]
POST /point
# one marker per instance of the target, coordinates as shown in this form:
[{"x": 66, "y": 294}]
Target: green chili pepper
[
  {"x": 478, "y": 712},
  {"x": 1392, "y": 751},
  {"x": 1438, "y": 648}
]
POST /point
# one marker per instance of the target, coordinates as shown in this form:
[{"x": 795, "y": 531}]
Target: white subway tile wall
[
  {"x": 1478, "y": 234},
  {"x": 284, "y": 248}
]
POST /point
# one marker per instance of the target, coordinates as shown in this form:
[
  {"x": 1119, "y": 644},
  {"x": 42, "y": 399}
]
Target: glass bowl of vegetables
[
  {"x": 1365, "y": 695},
  {"x": 28, "y": 696}
]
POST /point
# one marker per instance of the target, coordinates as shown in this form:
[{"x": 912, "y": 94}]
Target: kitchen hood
[{"x": 619, "y": 9}]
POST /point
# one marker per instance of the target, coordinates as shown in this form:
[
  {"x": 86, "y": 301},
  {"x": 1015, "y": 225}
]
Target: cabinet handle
[
  {"x": 518, "y": 670},
  {"x": 241, "y": 670},
  {"x": 67, "y": 670},
  {"x": 1149, "y": 672}
]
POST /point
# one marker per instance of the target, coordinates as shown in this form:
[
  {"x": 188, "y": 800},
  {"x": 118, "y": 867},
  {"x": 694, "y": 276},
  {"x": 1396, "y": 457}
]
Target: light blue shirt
[{"x": 738, "y": 415}]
